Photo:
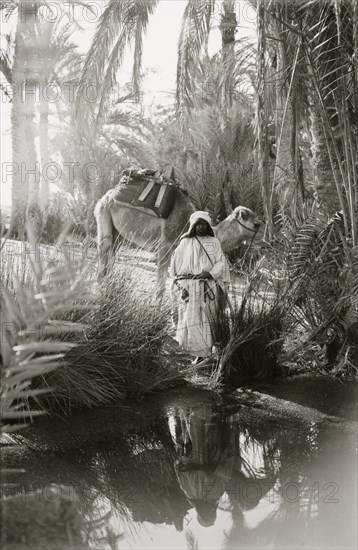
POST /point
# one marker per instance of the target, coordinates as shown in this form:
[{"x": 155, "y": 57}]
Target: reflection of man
[
  {"x": 205, "y": 464},
  {"x": 210, "y": 463}
]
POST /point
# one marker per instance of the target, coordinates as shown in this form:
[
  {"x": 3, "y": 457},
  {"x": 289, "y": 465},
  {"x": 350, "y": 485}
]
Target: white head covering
[
  {"x": 194, "y": 218},
  {"x": 199, "y": 215}
]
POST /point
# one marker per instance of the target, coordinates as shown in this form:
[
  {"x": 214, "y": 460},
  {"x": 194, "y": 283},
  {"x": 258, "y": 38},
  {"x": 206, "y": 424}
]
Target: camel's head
[
  {"x": 247, "y": 221},
  {"x": 239, "y": 226}
]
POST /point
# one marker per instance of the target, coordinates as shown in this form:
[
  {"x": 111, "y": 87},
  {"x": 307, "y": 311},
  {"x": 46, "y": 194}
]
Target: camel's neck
[
  {"x": 226, "y": 234},
  {"x": 217, "y": 231}
]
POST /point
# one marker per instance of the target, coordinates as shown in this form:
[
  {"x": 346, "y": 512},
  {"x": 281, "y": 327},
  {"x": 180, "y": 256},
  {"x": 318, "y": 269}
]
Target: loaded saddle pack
[{"x": 147, "y": 190}]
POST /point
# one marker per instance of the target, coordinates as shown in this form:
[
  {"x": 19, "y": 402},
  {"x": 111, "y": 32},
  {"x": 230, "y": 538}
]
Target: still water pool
[{"x": 208, "y": 472}]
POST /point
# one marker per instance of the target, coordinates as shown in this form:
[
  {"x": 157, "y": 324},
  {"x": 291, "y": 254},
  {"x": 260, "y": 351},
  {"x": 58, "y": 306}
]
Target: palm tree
[
  {"x": 24, "y": 82},
  {"x": 28, "y": 73},
  {"x": 222, "y": 171},
  {"x": 329, "y": 52},
  {"x": 311, "y": 48},
  {"x": 121, "y": 24},
  {"x": 59, "y": 65},
  {"x": 45, "y": 31},
  {"x": 296, "y": 43}
]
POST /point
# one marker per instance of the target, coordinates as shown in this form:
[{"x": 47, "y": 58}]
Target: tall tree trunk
[
  {"x": 228, "y": 26},
  {"x": 262, "y": 125},
  {"x": 25, "y": 181},
  {"x": 323, "y": 53},
  {"x": 45, "y": 157},
  {"x": 283, "y": 174},
  {"x": 288, "y": 180},
  {"x": 19, "y": 122},
  {"x": 325, "y": 189},
  {"x": 32, "y": 176},
  {"x": 45, "y": 29}
]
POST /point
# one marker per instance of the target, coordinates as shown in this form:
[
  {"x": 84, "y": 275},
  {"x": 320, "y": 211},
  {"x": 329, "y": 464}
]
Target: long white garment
[{"x": 195, "y": 317}]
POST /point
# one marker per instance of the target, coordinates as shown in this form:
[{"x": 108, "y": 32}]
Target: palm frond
[
  {"x": 192, "y": 40},
  {"x": 5, "y": 60},
  {"x": 120, "y": 24},
  {"x": 30, "y": 344}
]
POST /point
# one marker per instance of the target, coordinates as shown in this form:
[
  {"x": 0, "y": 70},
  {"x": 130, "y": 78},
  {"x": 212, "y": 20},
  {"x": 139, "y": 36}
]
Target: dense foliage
[{"x": 276, "y": 130}]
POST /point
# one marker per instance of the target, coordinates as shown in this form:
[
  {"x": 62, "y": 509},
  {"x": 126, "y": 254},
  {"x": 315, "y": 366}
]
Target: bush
[
  {"x": 112, "y": 336},
  {"x": 58, "y": 215},
  {"x": 321, "y": 269},
  {"x": 123, "y": 353},
  {"x": 73, "y": 214},
  {"x": 252, "y": 345}
]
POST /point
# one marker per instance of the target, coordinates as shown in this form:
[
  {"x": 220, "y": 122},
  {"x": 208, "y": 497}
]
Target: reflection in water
[
  {"x": 210, "y": 468},
  {"x": 204, "y": 477}
]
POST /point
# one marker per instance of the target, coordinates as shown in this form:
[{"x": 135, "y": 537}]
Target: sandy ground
[{"x": 17, "y": 256}]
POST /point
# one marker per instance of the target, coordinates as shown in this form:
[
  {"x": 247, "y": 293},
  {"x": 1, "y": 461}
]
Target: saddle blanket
[{"x": 146, "y": 189}]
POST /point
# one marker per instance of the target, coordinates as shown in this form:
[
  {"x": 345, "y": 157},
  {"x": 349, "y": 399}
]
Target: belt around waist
[{"x": 186, "y": 276}]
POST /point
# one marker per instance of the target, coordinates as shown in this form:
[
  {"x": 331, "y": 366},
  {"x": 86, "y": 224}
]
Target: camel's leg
[
  {"x": 104, "y": 241},
  {"x": 105, "y": 249}
]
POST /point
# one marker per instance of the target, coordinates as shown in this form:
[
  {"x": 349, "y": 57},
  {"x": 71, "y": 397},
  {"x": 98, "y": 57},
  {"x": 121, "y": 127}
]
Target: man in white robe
[{"x": 200, "y": 274}]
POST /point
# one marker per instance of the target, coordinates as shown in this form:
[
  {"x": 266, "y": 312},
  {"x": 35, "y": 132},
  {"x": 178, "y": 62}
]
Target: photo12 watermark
[
  {"x": 69, "y": 92},
  {"x": 54, "y": 172},
  {"x": 289, "y": 492},
  {"x": 91, "y": 12}
]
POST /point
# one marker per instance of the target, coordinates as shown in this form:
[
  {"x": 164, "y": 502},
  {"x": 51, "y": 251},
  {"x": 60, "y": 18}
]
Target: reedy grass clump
[
  {"x": 113, "y": 334},
  {"x": 34, "y": 330},
  {"x": 29, "y": 351},
  {"x": 127, "y": 337},
  {"x": 250, "y": 337}
]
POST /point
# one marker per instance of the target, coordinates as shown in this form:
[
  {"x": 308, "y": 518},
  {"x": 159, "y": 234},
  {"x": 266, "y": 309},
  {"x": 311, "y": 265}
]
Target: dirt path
[{"x": 16, "y": 256}]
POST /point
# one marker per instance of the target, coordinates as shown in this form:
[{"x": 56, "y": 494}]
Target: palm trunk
[
  {"x": 325, "y": 191},
  {"x": 228, "y": 26},
  {"x": 44, "y": 31},
  {"x": 288, "y": 178},
  {"x": 348, "y": 125},
  {"x": 33, "y": 212},
  {"x": 25, "y": 181},
  {"x": 262, "y": 126},
  {"x": 19, "y": 190},
  {"x": 43, "y": 133},
  {"x": 325, "y": 73},
  {"x": 298, "y": 174},
  {"x": 282, "y": 179},
  {"x": 283, "y": 174}
]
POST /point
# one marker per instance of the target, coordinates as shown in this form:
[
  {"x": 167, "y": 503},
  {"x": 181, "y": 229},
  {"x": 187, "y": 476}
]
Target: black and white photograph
[{"x": 179, "y": 274}]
